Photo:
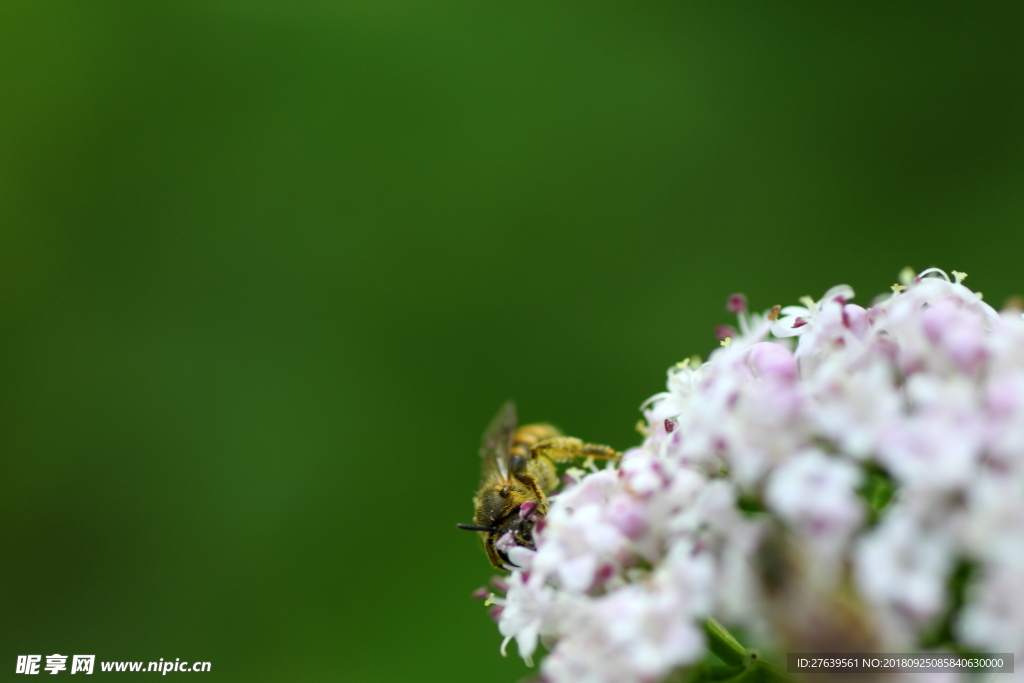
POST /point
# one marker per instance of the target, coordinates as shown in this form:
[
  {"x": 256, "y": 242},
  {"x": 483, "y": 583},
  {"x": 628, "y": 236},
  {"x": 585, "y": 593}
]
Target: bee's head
[{"x": 515, "y": 529}]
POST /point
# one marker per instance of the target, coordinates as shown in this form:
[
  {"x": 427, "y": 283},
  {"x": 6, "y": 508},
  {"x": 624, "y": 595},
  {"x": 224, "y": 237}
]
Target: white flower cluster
[{"x": 862, "y": 489}]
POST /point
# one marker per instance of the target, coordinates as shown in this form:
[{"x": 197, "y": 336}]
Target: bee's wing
[{"x": 497, "y": 443}]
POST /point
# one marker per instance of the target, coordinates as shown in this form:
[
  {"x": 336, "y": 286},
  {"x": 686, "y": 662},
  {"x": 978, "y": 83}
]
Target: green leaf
[
  {"x": 877, "y": 491},
  {"x": 942, "y": 635}
]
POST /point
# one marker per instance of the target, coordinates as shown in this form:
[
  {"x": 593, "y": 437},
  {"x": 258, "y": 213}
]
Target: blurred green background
[{"x": 268, "y": 268}]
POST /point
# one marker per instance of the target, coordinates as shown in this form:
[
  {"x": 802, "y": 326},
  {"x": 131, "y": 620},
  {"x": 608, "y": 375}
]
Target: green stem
[
  {"x": 730, "y": 651},
  {"x": 769, "y": 674},
  {"x": 723, "y": 644}
]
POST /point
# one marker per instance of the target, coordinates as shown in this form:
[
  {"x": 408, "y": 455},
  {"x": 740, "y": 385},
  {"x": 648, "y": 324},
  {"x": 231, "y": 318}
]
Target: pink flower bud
[
  {"x": 737, "y": 303},
  {"x": 855, "y": 319},
  {"x": 629, "y": 516},
  {"x": 770, "y": 361}
]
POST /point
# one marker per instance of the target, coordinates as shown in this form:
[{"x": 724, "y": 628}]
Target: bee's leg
[
  {"x": 543, "y": 472},
  {"x": 535, "y": 479},
  {"x": 562, "y": 448}
]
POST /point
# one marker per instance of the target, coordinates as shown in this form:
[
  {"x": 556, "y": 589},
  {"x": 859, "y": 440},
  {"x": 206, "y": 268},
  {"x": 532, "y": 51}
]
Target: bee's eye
[{"x": 518, "y": 463}]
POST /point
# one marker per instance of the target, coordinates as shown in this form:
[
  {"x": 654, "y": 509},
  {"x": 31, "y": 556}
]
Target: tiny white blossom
[{"x": 816, "y": 496}]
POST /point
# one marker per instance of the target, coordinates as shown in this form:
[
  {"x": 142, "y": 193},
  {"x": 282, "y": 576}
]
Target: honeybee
[{"x": 518, "y": 468}]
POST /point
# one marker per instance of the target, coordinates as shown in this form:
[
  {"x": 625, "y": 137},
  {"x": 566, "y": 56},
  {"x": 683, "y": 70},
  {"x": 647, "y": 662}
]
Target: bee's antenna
[{"x": 470, "y": 527}]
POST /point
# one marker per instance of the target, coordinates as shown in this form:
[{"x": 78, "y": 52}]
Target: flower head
[{"x": 883, "y": 454}]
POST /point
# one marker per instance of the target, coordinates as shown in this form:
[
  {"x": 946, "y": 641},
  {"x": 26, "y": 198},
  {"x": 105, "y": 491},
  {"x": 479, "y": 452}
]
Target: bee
[{"x": 518, "y": 475}]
